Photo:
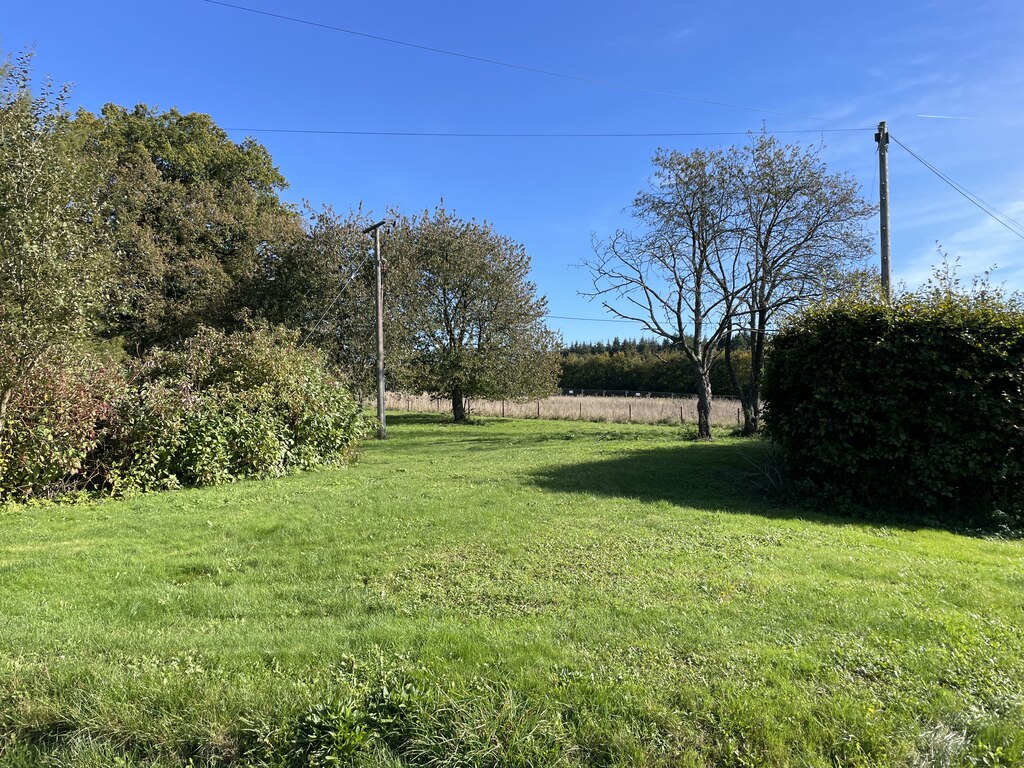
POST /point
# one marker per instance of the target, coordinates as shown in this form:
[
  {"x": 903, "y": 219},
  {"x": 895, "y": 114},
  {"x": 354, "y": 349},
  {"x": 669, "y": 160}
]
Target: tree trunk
[
  {"x": 752, "y": 413},
  {"x": 5, "y": 401},
  {"x": 757, "y": 349},
  {"x": 703, "y": 404},
  {"x": 749, "y": 391},
  {"x": 458, "y": 405},
  {"x": 749, "y": 409},
  {"x": 4, "y": 404}
]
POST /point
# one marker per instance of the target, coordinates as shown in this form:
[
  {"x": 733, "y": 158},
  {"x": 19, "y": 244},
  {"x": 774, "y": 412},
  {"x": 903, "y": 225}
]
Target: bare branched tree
[
  {"x": 801, "y": 231},
  {"x": 727, "y": 243},
  {"x": 680, "y": 274}
]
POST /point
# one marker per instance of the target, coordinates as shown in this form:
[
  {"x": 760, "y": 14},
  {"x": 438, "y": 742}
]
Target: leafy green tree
[
  {"x": 53, "y": 253},
  {"x": 323, "y": 285},
  {"x": 196, "y": 219},
  {"x": 472, "y": 320}
]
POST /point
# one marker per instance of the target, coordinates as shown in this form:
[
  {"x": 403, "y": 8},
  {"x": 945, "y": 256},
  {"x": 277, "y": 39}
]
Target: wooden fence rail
[{"x": 725, "y": 412}]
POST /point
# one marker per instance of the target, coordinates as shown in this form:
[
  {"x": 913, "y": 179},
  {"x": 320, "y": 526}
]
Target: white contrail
[{"x": 948, "y": 117}]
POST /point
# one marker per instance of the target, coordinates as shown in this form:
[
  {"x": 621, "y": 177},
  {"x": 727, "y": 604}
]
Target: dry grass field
[{"x": 638, "y": 410}]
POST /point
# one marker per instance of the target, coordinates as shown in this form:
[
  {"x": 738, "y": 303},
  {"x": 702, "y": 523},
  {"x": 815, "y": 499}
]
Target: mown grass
[{"x": 505, "y": 593}]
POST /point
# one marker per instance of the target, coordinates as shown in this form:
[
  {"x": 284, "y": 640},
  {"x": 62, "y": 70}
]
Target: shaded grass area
[{"x": 505, "y": 593}]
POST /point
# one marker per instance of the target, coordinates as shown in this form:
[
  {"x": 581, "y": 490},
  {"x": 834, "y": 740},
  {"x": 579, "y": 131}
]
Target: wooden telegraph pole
[
  {"x": 882, "y": 137},
  {"x": 382, "y": 429}
]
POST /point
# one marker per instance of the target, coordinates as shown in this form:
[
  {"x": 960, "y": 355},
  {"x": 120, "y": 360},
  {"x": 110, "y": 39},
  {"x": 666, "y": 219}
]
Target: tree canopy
[
  {"x": 195, "y": 218},
  {"x": 54, "y": 256},
  {"x": 725, "y": 243},
  {"x": 470, "y": 317}
]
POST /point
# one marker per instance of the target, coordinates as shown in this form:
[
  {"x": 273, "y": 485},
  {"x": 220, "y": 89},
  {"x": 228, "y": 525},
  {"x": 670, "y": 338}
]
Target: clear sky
[{"x": 828, "y": 65}]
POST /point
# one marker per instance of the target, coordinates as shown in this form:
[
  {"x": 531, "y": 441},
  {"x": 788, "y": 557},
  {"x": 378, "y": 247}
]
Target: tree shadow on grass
[
  {"x": 409, "y": 419},
  {"x": 718, "y": 477}
]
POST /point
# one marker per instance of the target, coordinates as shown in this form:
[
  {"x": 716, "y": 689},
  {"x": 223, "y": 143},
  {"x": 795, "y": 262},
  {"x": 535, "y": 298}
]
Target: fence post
[
  {"x": 680, "y": 414},
  {"x": 581, "y": 410},
  {"x": 503, "y": 409},
  {"x": 538, "y": 408},
  {"x": 630, "y": 417},
  {"x": 737, "y": 417}
]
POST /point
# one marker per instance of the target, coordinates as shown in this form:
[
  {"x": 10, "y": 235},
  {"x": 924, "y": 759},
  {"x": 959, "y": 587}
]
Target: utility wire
[
  {"x": 593, "y": 319},
  {"x": 1009, "y": 223},
  {"x": 467, "y": 135},
  {"x": 338, "y": 295},
  {"x": 509, "y": 65}
]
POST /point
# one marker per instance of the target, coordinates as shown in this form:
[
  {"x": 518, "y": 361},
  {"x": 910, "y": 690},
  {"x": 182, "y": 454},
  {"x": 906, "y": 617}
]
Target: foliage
[
  {"x": 643, "y": 366},
  {"x": 52, "y": 246},
  {"x": 195, "y": 217},
  {"x": 915, "y": 408},
  {"x": 221, "y": 407},
  {"x": 725, "y": 243},
  {"x": 55, "y": 422},
  {"x": 622, "y": 597},
  {"x": 324, "y": 286},
  {"x": 799, "y": 228},
  {"x": 469, "y": 314}
]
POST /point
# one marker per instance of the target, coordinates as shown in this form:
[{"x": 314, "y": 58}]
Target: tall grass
[{"x": 621, "y": 410}]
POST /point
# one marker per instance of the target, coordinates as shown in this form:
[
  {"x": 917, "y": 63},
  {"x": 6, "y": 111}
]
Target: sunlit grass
[{"x": 505, "y": 593}]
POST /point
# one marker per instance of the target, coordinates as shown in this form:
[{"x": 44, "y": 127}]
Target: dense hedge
[
  {"x": 915, "y": 409},
  {"x": 220, "y": 407}
]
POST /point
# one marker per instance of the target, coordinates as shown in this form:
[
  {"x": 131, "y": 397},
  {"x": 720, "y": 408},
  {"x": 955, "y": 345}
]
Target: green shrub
[
  {"x": 915, "y": 409},
  {"x": 53, "y": 423},
  {"x": 250, "y": 404}
]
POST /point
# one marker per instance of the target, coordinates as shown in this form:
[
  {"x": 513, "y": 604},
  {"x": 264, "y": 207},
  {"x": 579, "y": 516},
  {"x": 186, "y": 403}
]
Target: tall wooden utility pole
[
  {"x": 882, "y": 137},
  {"x": 382, "y": 429}
]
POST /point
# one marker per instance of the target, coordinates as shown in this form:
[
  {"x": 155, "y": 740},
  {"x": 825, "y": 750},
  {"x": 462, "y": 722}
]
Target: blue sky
[{"x": 840, "y": 65}]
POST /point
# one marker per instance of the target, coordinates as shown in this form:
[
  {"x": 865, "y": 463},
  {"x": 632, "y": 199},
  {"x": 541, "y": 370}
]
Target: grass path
[{"x": 506, "y": 593}]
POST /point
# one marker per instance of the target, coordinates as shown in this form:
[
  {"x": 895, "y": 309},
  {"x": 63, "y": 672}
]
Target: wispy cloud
[{"x": 978, "y": 247}]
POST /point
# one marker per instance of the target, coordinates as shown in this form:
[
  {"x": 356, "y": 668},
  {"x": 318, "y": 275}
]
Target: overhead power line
[
  {"x": 593, "y": 319},
  {"x": 510, "y": 65},
  {"x": 1008, "y": 222},
  {"x": 548, "y": 135}
]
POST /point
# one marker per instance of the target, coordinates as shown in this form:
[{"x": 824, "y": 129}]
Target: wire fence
[{"x": 639, "y": 407}]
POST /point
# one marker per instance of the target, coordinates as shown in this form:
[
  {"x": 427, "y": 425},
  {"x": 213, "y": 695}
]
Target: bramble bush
[
  {"x": 915, "y": 409},
  {"x": 221, "y": 407},
  {"x": 246, "y": 405}
]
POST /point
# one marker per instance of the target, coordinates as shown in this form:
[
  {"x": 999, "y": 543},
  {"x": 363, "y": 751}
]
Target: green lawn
[{"x": 506, "y": 593}]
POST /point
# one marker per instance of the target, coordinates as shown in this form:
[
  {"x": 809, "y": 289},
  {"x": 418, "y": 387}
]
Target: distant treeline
[{"x": 643, "y": 365}]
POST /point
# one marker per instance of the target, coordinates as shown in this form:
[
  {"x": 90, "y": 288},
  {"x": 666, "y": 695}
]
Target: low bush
[
  {"x": 250, "y": 404},
  {"x": 915, "y": 409},
  {"x": 246, "y": 405},
  {"x": 54, "y": 422}
]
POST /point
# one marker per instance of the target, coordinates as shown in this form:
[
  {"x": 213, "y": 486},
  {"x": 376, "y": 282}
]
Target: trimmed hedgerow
[{"x": 915, "y": 409}]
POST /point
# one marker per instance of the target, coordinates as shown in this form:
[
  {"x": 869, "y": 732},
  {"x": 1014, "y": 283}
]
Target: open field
[
  {"x": 621, "y": 410},
  {"x": 525, "y": 593}
]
